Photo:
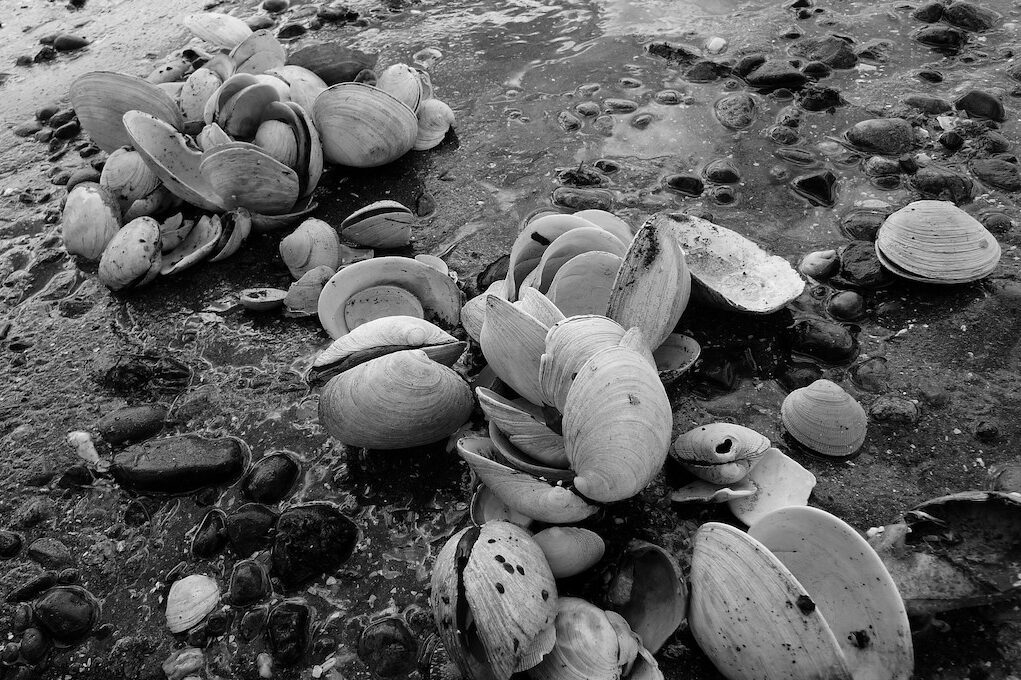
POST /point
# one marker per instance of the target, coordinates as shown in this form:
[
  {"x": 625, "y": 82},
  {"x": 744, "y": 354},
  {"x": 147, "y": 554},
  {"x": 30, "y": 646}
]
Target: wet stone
[
  {"x": 986, "y": 431},
  {"x": 997, "y": 173},
  {"x": 22, "y": 617},
  {"x": 820, "y": 188},
  {"x": 817, "y": 98},
  {"x": 249, "y": 583},
  {"x": 252, "y": 624},
  {"x": 311, "y": 540},
  {"x": 736, "y": 111},
  {"x": 782, "y": 134},
  {"x": 66, "y": 42},
  {"x": 43, "y": 136},
  {"x": 747, "y": 64},
  {"x": 614, "y": 105},
  {"x": 930, "y": 76},
  {"x": 846, "y": 305},
  {"x": 796, "y": 155},
  {"x": 930, "y": 12},
  {"x": 831, "y": 50},
  {"x": 979, "y": 104},
  {"x": 291, "y": 31},
  {"x": 588, "y": 109},
  {"x": 275, "y": 5},
  {"x": 27, "y": 128},
  {"x": 997, "y": 222},
  {"x": 388, "y": 648},
  {"x": 668, "y": 97},
  {"x": 951, "y": 140},
  {"x": 706, "y": 71},
  {"x": 723, "y": 195},
  {"x": 249, "y": 528},
  {"x": 970, "y": 16},
  {"x": 581, "y": 176},
  {"x": 894, "y": 410},
  {"x": 942, "y": 37},
  {"x": 860, "y": 268},
  {"x": 993, "y": 142},
  {"x": 260, "y": 21},
  {"x": 287, "y": 631},
  {"x": 10, "y": 544},
  {"x": 271, "y": 479},
  {"x": 217, "y": 624},
  {"x": 817, "y": 70},
  {"x": 34, "y": 645},
  {"x": 82, "y": 175},
  {"x": 871, "y": 375},
  {"x": 179, "y": 464},
  {"x": 775, "y": 73},
  {"x": 824, "y": 340},
  {"x": 875, "y": 50},
  {"x": 641, "y": 121},
  {"x": 875, "y": 166},
  {"x": 583, "y": 199},
  {"x": 33, "y": 587},
  {"x": 67, "y": 614},
  {"x": 673, "y": 52},
  {"x": 211, "y": 536},
  {"x": 882, "y": 135},
  {"x": 928, "y": 104},
  {"x": 50, "y": 553},
  {"x": 688, "y": 185},
  {"x": 67, "y": 130},
  {"x": 61, "y": 117},
  {"x": 132, "y": 423},
  {"x": 722, "y": 171},
  {"x": 943, "y": 184},
  {"x": 799, "y": 374},
  {"x": 568, "y": 122},
  {"x": 43, "y": 113}
]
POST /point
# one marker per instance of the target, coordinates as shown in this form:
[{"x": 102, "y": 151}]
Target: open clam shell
[
  {"x": 512, "y": 456},
  {"x": 649, "y": 591},
  {"x": 198, "y": 245},
  {"x": 438, "y": 294},
  {"x": 570, "y": 550},
  {"x": 217, "y": 29},
  {"x": 825, "y": 419},
  {"x": 567, "y": 246},
  {"x": 235, "y": 226},
  {"x": 486, "y": 506},
  {"x": 583, "y": 284},
  {"x": 304, "y": 85},
  {"x": 513, "y": 342},
  {"x": 531, "y": 243},
  {"x": 936, "y": 242},
  {"x": 701, "y": 491},
  {"x": 538, "y": 305},
  {"x": 251, "y": 178},
  {"x": 616, "y": 425},
  {"x": 473, "y": 314},
  {"x": 362, "y": 126},
  {"x": 591, "y": 644},
  {"x": 195, "y": 92},
  {"x": 302, "y": 297},
  {"x": 568, "y": 345},
  {"x": 608, "y": 221},
  {"x": 779, "y": 482},
  {"x": 383, "y": 224},
  {"x": 539, "y": 499},
  {"x": 398, "y": 400},
  {"x": 101, "y": 98},
  {"x": 676, "y": 356},
  {"x": 721, "y": 453},
  {"x": 524, "y": 425},
  {"x": 730, "y": 271}
]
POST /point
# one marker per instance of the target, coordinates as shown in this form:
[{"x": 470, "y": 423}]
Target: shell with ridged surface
[
  {"x": 570, "y": 550},
  {"x": 383, "y": 224},
  {"x": 513, "y": 342},
  {"x": 825, "y": 419},
  {"x": 314, "y": 243}
]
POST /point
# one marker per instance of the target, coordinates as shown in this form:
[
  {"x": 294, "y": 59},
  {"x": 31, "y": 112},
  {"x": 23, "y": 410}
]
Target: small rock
[
  {"x": 997, "y": 222},
  {"x": 979, "y": 104},
  {"x": 894, "y": 410},
  {"x": 820, "y": 264},
  {"x": 993, "y": 142},
  {"x": 217, "y": 624},
  {"x": 27, "y": 128},
  {"x": 583, "y": 199},
  {"x": 252, "y": 624},
  {"x": 23, "y": 60},
  {"x": 860, "y": 268},
  {"x": 689, "y": 185},
  {"x": 986, "y": 431},
  {"x": 875, "y": 50},
  {"x": 184, "y": 662},
  {"x": 260, "y": 22},
  {"x": 67, "y": 614},
  {"x": 847, "y": 305},
  {"x": 249, "y": 583},
  {"x": 776, "y": 73},
  {"x": 249, "y": 528},
  {"x": 22, "y": 617},
  {"x": 970, "y": 17},
  {"x": 50, "y": 553},
  {"x": 736, "y": 111},
  {"x": 820, "y": 188},
  {"x": 818, "y": 98},
  {"x": 291, "y": 31},
  {"x": 33, "y": 587},
  {"x": 673, "y": 52},
  {"x": 131, "y": 423},
  {"x": 706, "y": 71},
  {"x": 831, "y": 50},
  {"x": 61, "y": 178},
  {"x": 722, "y": 171},
  {"x": 951, "y": 140},
  {"x": 65, "y": 42},
  {"x": 781, "y": 134},
  {"x": 882, "y": 135},
  {"x": 871, "y": 375},
  {"x": 588, "y": 109},
  {"x": 47, "y": 53},
  {"x": 288, "y": 631},
  {"x": 43, "y": 136},
  {"x": 82, "y": 175},
  {"x": 211, "y": 535},
  {"x": 311, "y": 540},
  {"x": 179, "y": 464},
  {"x": 930, "y": 12},
  {"x": 275, "y": 6},
  {"x": 615, "y": 105},
  {"x": 817, "y": 70},
  {"x": 825, "y": 340},
  {"x": 335, "y": 13},
  {"x": 61, "y": 117},
  {"x": 998, "y": 173},
  {"x": 928, "y": 104},
  {"x": 943, "y": 184},
  {"x": 930, "y": 76},
  {"x": 271, "y": 479},
  {"x": 44, "y": 113},
  {"x": 34, "y": 645},
  {"x": 942, "y": 37},
  {"x": 875, "y": 166},
  {"x": 568, "y": 121},
  {"x": 10, "y": 544},
  {"x": 388, "y": 648},
  {"x": 934, "y": 395}
]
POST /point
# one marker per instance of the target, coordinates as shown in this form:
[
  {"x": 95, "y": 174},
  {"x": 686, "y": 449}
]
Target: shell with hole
[
  {"x": 801, "y": 595},
  {"x": 936, "y": 242},
  {"x": 313, "y": 244},
  {"x": 649, "y": 591},
  {"x": 570, "y": 550},
  {"x": 363, "y": 126},
  {"x": 127, "y": 176},
  {"x": 824, "y": 419},
  {"x": 190, "y": 600},
  {"x": 384, "y": 336},
  {"x": 494, "y": 601},
  {"x": 721, "y": 453},
  {"x": 387, "y": 286},
  {"x": 435, "y": 118},
  {"x": 395, "y": 401},
  {"x": 133, "y": 257},
  {"x": 90, "y": 219},
  {"x": 383, "y": 224}
]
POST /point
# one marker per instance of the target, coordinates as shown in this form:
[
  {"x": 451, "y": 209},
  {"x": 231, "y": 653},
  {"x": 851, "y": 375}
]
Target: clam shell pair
[
  {"x": 383, "y": 224},
  {"x": 936, "y": 242},
  {"x": 801, "y": 595},
  {"x": 649, "y": 591},
  {"x": 825, "y": 419},
  {"x": 363, "y": 126}
]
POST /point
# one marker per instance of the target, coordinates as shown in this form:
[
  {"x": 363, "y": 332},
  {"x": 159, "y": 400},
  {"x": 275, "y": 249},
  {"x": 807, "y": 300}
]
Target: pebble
[
  {"x": 288, "y": 631},
  {"x": 588, "y": 108},
  {"x": 291, "y": 31},
  {"x": 33, "y": 587},
  {"x": 21, "y": 620},
  {"x": 211, "y": 535},
  {"x": 249, "y": 528},
  {"x": 388, "y": 648},
  {"x": 689, "y": 185},
  {"x": 847, "y": 305},
  {"x": 583, "y": 199},
  {"x": 183, "y": 663},
  {"x": 820, "y": 264},
  {"x": 50, "y": 553},
  {"x": 818, "y": 98},
  {"x": 44, "y": 113},
  {"x": 131, "y": 423},
  {"x": 825, "y": 340},
  {"x": 934, "y": 395},
  {"x": 568, "y": 121},
  {"x": 260, "y": 22},
  {"x": 997, "y": 222},
  {"x": 970, "y": 16},
  {"x": 44, "y": 135},
  {"x": 799, "y": 374},
  {"x": 27, "y": 128},
  {"x": 640, "y": 121},
  {"x": 951, "y": 140},
  {"x": 871, "y": 375},
  {"x": 943, "y": 184},
  {"x": 65, "y": 42},
  {"x": 781, "y": 134},
  {"x": 61, "y": 117},
  {"x": 67, "y": 614},
  {"x": 179, "y": 464},
  {"x": 249, "y": 583},
  {"x": 706, "y": 71},
  {"x": 860, "y": 268},
  {"x": 311, "y": 540},
  {"x": 82, "y": 175},
  {"x": 817, "y": 70},
  {"x": 875, "y": 166},
  {"x": 796, "y": 155},
  {"x": 930, "y": 76},
  {"x": 271, "y": 479},
  {"x": 942, "y": 37},
  {"x": 736, "y": 111},
  {"x": 831, "y": 50},
  {"x": 673, "y": 52},
  {"x": 217, "y": 623},
  {"x": 775, "y": 73},
  {"x": 722, "y": 171},
  {"x": 986, "y": 431},
  {"x": 930, "y": 12},
  {"x": 335, "y": 13},
  {"x": 614, "y": 105},
  {"x": 882, "y": 135},
  {"x": 875, "y": 50},
  {"x": 928, "y": 104},
  {"x": 993, "y": 142},
  {"x": 10, "y": 544},
  {"x": 894, "y": 410},
  {"x": 997, "y": 173},
  {"x": 820, "y": 188},
  {"x": 979, "y": 104},
  {"x": 275, "y": 5},
  {"x": 34, "y": 645},
  {"x": 60, "y": 178}
]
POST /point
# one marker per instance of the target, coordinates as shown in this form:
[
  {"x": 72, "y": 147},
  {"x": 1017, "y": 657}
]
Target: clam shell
[
  {"x": 132, "y": 258},
  {"x": 649, "y": 591},
  {"x": 383, "y": 224},
  {"x": 538, "y": 305},
  {"x": 362, "y": 126},
  {"x": 402, "y": 82},
  {"x": 252, "y": 179},
  {"x": 196, "y": 246},
  {"x": 825, "y": 419},
  {"x": 936, "y": 242},
  {"x": 732, "y": 272},
  {"x": 378, "y": 302},
  {"x": 701, "y": 491},
  {"x": 189, "y": 602},
  {"x": 314, "y": 243},
  {"x": 303, "y": 295},
  {"x": 532, "y": 242},
  {"x": 235, "y": 226},
  {"x": 568, "y": 345},
  {"x": 435, "y": 262},
  {"x": 196, "y": 91},
  {"x": 277, "y": 139},
  {"x": 609, "y": 222},
  {"x": 435, "y": 119},
  {"x": 309, "y": 160},
  {"x": 304, "y": 85},
  {"x": 90, "y": 219},
  {"x": 473, "y": 314},
  {"x": 262, "y": 299},
  {"x": 567, "y": 246},
  {"x": 513, "y": 342},
  {"x": 173, "y": 230},
  {"x": 511, "y": 456},
  {"x": 126, "y": 175},
  {"x": 652, "y": 287},
  {"x": 588, "y": 645},
  {"x": 101, "y": 98},
  {"x": 676, "y": 356},
  {"x": 780, "y": 482},
  {"x": 212, "y": 136},
  {"x": 528, "y": 495},
  {"x": 230, "y": 87},
  {"x": 160, "y": 200},
  {"x": 218, "y": 29},
  {"x": 494, "y": 600},
  {"x": 396, "y": 401},
  {"x": 258, "y": 53},
  {"x": 266, "y": 223},
  {"x": 241, "y": 114},
  {"x": 616, "y": 425},
  {"x": 485, "y": 506},
  {"x": 721, "y": 453},
  {"x": 570, "y": 550},
  {"x": 583, "y": 284},
  {"x": 524, "y": 426}
]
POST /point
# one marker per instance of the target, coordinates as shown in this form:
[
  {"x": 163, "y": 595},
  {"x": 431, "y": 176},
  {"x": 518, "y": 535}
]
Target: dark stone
[
  {"x": 930, "y": 76},
  {"x": 951, "y": 140},
  {"x": 775, "y": 73},
  {"x": 179, "y": 464},
  {"x": 928, "y": 104},
  {"x": 722, "y": 171},
  {"x": 82, "y": 175},
  {"x": 568, "y": 121},
  {"x": 335, "y": 13},
  {"x": 217, "y": 624},
  {"x": 65, "y": 42},
  {"x": 43, "y": 136},
  {"x": 260, "y": 22},
  {"x": 249, "y": 583},
  {"x": 291, "y": 31},
  {"x": 22, "y": 618},
  {"x": 67, "y": 613},
  {"x": 388, "y": 648},
  {"x": 796, "y": 155},
  {"x": 706, "y": 71},
  {"x": 930, "y": 12},
  {"x": 875, "y": 50},
  {"x": 287, "y": 631},
  {"x": 781, "y": 134},
  {"x": 275, "y": 5},
  {"x": 332, "y": 62},
  {"x": 860, "y": 267},
  {"x": 886, "y": 182},
  {"x": 69, "y": 576},
  {"x": 942, "y": 184},
  {"x": 820, "y": 188},
  {"x": 997, "y": 173},
  {"x": 979, "y": 104},
  {"x": 818, "y": 98},
  {"x": 993, "y": 142},
  {"x": 847, "y": 305},
  {"x": 831, "y": 50},
  {"x": 494, "y": 271},
  {"x": 997, "y": 222},
  {"x": 799, "y": 374},
  {"x": 875, "y": 166},
  {"x": 583, "y": 199},
  {"x": 970, "y": 17},
  {"x": 44, "y": 113},
  {"x": 68, "y": 130},
  {"x": 10, "y": 544},
  {"x": 581, "y": 176},
  {"x": 669, "y": 97},
  {"x": 871, "y": 375},
  {"x": 23, "y": 60},
  {"x": 882, "y": 135},
  {"x": 61, "y": 178},
  {"x": 132, "y": 423},
  {"x": 894, "y": 411},
  {"x": 940, "y": 37},
  {"x": 311, "y": 540},
  {"x": 50, "y": 553},
  {"x": 252, "y": 624},
  {"x": 617, "y": 105},
  {"x": 29, "y": 127},
  {"x": 824, "y": 340},
  {"x": 688, "y": 185},
  {"x": 588, "y": 109},
  {"x": 34, "y": 645},
  {"x": 674, "y": 52},
  {"x": 61, "y": 117},
  {"x": 249, "y": 528},
  {"x": 986, "y": 431},
  {"x": 817, "y": 70},
  {"x": 747, "y": 64},
  {"x": 736, "y": 111},
  {"x": 723, "y": 195},
  {"x": 33, "y": 587},
  {"x": 271, "y": 479}
]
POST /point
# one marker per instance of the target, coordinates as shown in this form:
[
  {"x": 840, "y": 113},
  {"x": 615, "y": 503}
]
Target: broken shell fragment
[
  {"x": 173, "y": 230},
  {"x": 486, "y": 506},
  {"x": 570, "y": 550},
  {"x": 235, "y": 227},
  {"x": 196, "y": 246},
  {"x": 825, "y": 419},
  {"x": 262, "y": 299},
  {"x": 302, "y": 297},
  {"x": 90, "y": 219},
  {"x": 435, "y": 118},
  {"x": 132, "y": 258},
  {"x": 524, "y": 425},
  {"x": 779, "y": 481},
  {"x": 190, "y": 600},
  {"x": 649, "y": 591},
  {"x": 721, "y": 453},
  {"x": 313, "y": 244},
  {"x": 383, "y": 224},
  {"x": 675, "y": 356},
  {"x": 701, "y": 491}
]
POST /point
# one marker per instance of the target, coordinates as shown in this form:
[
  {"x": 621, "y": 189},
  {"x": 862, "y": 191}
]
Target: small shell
[
  {"x": 90, "y": 219},
  {"x": 825, "y": 419},
  {"x": 513, "y": 342},
  {"x": 173, "y": 230},
  {"x": 524, "y": 426},
  {"x": 262, "y": 299},
  {"x": 218, "y": 29},
  {"x": 570, "y": 550},
  {"x": 212, "y": 136},
  {"x": 157, "y": 202},
  {"x": 568, "y": 345},
  {"x": 567, "y": 246},
  {"x": 701, "y": 491},
  {"x": 196, "y": 246},
  {"x": 304, "y": 85},
  {"x": 302, "y": 297},
  {"x": 507, "y": 454},
  {"x": 197, "y": 90},
  {"x": 649, "y": 591},
  {"x": 258, "y": 53},
  {"x": 435, "y": 119},
  {"x": 132, "y": 258},
  {"x": 583, "y": 284},
  {"x": 235, "y": 226},
  {"x": 676, "y": 356},
  {"x": 383, "y": 224},
  {"x": 397, "y": 401},
  {"x": 780, "y": 482},
  {"x": 402, "y": 82},
  {"x": 532, "y": 242},
  {"x": 126, "y": 175},
  {"x": 277, "y": 139},
  {"x": 721, "y": 453},
  {"x": 189, "y": 602},
  {"x": 313, "y": 244}
]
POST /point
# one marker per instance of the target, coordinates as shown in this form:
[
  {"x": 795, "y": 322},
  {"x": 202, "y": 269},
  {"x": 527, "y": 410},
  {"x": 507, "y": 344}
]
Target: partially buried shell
[
  {"x": 383, "y": 224},
  {"x": 90, "y": 219},
  {"x": 126, "y": 175},
  {"x": 494, "y": 600},
  {"x": 435, "y": 118},
  {"x": 314, "y": 243},
  {"x": 362, "y": 126},
  {"x": 189, "y": 602},
  {"x": 721, "y": 453},
  {"x": 570, "y": 550},
  {"x": 825, "y": 419},
  {"x": 649, "y": 591},
  {"x": 197, "y": 246},
  {"x": 302, "y": 297},
  {"x": 218, "y": 29},
  {"x": 132, "y": 258},
  {"x": 399, "y": 400}
]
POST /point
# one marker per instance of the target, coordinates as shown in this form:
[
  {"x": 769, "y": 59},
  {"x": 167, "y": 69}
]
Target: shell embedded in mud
[
  {"x": 825, "y": 419},
  {"x": 190, "y": 600}
]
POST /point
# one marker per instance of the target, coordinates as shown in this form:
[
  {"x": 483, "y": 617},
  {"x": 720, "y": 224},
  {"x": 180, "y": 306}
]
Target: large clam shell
[
  {"x": 609, "y": 222},
  {"x": 101, "y": 98},
  {"x": 383, "y": 224},
  {"x": 250, "y": 178},
  {"x": 486, "y": 506},
  {"x": 523, "y": 424},
  {"x": 362, "y": 126},
  {"x": 731, "y": 271},
  {"x": 779, "y": 482},
  {"x": 567, "y": 246},
  {"x": 513, "y": 342},
  {"x": 936, "y": 242},
  {"x": 132, "y": 258},
  {"x": 568, "y": 345},
  {"x": 825, "y": 419},
  {"x": 312, "y": 244},
  {"x": 531, "y": 243},
  {"x": 494, "y": 600},
  {"x": 438, "y": 294},
  {"x": 218, "y": 29},
  {"x": 649, "y": 591},
  {"x": 396, "y": 401},
  {"x": 676, "y": 356},
  {"x": 127, "y": 176},
  {"x": 570, "y": 550},
  {"x": 583, "y": 284},
  {"x": 258, "y": 53},
  {"x": 197, "y": 90},
  {"x": 721, "y": 453},
  {"x": 190, "y": 600},
  {"x": 616, "y": 425}
]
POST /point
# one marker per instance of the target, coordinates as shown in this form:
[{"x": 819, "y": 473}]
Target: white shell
[
  {"x": 435, "y": 119},
  {"x": 721, "y": 453},
  {"x": 383, "y": 224},
  {"x": 524, "y": 426},
  {"x": 132, "y": 258},
  {"x": 189, "y": 602},
  {"x": 513, "y": 342},
  {"x": 825, "y": 419},
  {"x": 218, "y": 29},
  {"x": 314, "y": 243},
  {"x": 570, "y": 550},
  {"x": 780, "y": 482}
]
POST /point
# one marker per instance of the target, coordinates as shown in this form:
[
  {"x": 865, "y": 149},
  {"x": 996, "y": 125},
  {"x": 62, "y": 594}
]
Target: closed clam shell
[
  {"x": 218, "y": 29},
  {"x": 196, "y": 246},
  {"x": 513, "y": 342},
  {"x": 312, "y": 244},
  {"x": 567, "y": 246},
  {"x": 779, "y": 482},
  {"x": 608, "y": 221},
  {"x": 473, "y": 313},
  {"x": 676, "y": 356},
  {"x": 649, "y": 591},
  {"x": 252, "y": 179},
  {"x": 936, "y": 242},
  {"x": 494, "y": 600},
  {"x": 258, "y": 53},
  {"x": 532, "y": 242},
  {"x": 277, "y": 139},
  {"x": 189, "y": 601},
  {"x": 524, "y": 426},
  {"x": 362, "y": 126},
  {"x": 126, "y": 175},
  {"x": 616, "y": 425},
  {"x": 435, "y": 118},
  {"x": 730, "y": 271},
  {"x": 721, "y": 453},
  {"x": 90, "y": 219},
  {"x": 308, "y": 161},
  {"x": 438, "y": 294},
  {"x": 568, "y": 345},
  {"x": 241, "y": 114},
  {"x": 101, "y": 98},
  {"x": 235, "y": 227},
  {"x": 396, "y": 401},
  {"x": 539, "y": 499},
  {"x": 402, "y": 82},
  {"x": 588, "y": 645},
  {"x": 212, "y": 136},
  {"x": 197, "y": 90},
  {"x": 570, "y": 550},
  {"x": 825, "y": 419},
  {"x": 652, "y": 287},
  {"x": 583, "y": 284},
  {"x": 132, "y": 258},
  {"x": 304, "y": 85},
  {"x": 383, "y": 224}
]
